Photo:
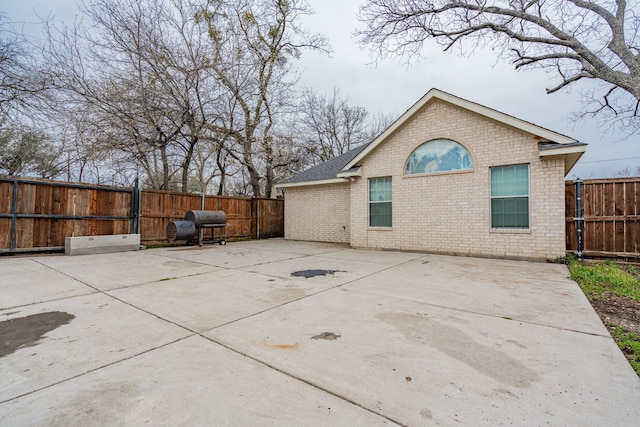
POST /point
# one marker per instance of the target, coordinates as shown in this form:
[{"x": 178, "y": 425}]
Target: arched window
[{"x": 439, "y": 155}]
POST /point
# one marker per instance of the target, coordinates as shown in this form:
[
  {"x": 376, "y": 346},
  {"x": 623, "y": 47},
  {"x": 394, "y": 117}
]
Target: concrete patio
[{"x": 226, "y": 336}]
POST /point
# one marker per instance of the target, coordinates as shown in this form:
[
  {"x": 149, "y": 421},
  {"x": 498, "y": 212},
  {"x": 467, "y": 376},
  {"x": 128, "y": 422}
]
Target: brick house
[{"x": 449, "y": 176}]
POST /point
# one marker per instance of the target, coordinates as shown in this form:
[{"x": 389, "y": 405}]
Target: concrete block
[{"x": 86, "y": 245}]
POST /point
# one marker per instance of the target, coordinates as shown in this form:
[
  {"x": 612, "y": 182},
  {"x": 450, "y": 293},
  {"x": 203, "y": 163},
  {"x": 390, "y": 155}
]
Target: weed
[
  {"x": 602, "y": 278},
  {"x": 629, "y": 343},
  {"x": 167, "y": 278},
  {"x": 605, "y": 277}
]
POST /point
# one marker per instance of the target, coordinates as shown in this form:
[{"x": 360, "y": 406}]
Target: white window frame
[
  {"x": 376, "y": 201},
  {"x": 519, "y": 196}
]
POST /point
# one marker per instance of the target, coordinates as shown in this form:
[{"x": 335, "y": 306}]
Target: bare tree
[
  {"x": 628, "y": 171},
  {"x": 188, "y": 89},
  {"x": 20, "y": 77},
  {"x": 332, "y": 126},
  {"x": 213, "y": 165},
  {"x": 575, "y": 39},
  {"x": 253, "y": 44},
  {"x": 139, "y": 74},
  {"x": 27, "y": 152}
]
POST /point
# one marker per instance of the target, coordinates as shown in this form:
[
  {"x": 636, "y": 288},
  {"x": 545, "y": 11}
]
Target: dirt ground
[{"x": 620, "y": 311}]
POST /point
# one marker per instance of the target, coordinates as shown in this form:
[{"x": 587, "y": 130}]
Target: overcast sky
[{"x": 391, "y": 87}]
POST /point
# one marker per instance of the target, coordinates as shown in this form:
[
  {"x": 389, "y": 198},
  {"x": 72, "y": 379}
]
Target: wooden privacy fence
[
  {"x": 37, "y": 215},
  {"x": 611, "y": 217},
  {"x": 246, "y": 217}
]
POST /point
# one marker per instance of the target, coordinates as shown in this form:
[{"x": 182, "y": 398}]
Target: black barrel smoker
[{"x": 192, "y": 228}]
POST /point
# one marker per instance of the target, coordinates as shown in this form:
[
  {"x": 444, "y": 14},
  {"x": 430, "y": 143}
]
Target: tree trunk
[{"x": 165, "y": 168}]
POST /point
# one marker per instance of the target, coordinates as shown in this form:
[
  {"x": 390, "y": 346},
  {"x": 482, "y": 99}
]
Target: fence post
[
  {"x": 135, "y": 209},
  {"x": 14, "y": 211},
  {"x": 579, "y": 219}
]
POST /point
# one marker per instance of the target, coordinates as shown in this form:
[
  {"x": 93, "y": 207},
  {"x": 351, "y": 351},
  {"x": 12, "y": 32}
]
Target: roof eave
[
  {"x": 353, "y": 172},
  {"x": 570, "y": 154},
  {"x": 309, "y": 183}
]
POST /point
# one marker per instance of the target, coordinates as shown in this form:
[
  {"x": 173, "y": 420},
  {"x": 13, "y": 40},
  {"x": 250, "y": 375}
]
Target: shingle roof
[
  {"x": 325, "y": 170},
  {"x": 546, "y": 145}
]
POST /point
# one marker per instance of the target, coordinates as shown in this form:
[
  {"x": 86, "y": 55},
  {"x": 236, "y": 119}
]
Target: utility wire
[{"x": 610, "y": 160}]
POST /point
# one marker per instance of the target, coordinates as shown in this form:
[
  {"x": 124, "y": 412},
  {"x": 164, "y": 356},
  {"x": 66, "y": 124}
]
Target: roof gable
[
  {"x": 487, "y": 112},
  {"x": 337, "y": 169}
]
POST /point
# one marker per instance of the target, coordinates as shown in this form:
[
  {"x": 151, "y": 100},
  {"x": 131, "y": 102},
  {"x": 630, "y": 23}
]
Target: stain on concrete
[
  {"x": 26, "y": 331},
  {"x": 313, "y": 273},
  {"x": 326, "y": 336},
  {"x": 286, "y": 294},
  {"x": 181, "y": 264},
  {"x": 282, "y": 346},
  {"x": 426, "y": 414},
  {"x": 459, "y": 345},
  {"x": 101, "y": 402}
]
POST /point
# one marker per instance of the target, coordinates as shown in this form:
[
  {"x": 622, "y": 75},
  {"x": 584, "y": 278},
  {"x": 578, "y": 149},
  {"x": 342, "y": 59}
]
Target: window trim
[
  {"x": 369, "y": 202},
  {"x": 528, "y": 196}
]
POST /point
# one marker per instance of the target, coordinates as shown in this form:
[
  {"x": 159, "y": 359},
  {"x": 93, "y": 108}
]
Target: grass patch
[
  {"x": 629, "y": 343},
  {"x": 601, "y": 279},
  {"x": 605, "y": 277}
]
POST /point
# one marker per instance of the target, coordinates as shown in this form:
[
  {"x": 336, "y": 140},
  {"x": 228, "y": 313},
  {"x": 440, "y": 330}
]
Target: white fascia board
[
  {"x": 505, "y": 118},
  {"x": 490, "y": 113},
  {"x": 559, "y": 151},
  {"x": 350, "y": 173},
  {"x": 309, "y": 183}
]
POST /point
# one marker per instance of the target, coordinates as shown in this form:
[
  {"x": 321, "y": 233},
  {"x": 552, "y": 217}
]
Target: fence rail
[
  {"x": 611, "y": 217},
  {"x": 37, "y": 215}
]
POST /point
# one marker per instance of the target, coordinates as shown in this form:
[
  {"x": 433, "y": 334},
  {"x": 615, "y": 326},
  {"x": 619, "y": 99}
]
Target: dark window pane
[
  {"x": 380, "y": 214},
  {"x": 510, "y": 212}
]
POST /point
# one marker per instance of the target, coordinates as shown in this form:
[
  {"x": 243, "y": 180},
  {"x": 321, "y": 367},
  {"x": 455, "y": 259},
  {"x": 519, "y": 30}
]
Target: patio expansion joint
[
  {"x": 305, "y": 381},
  {"x": 289, "y": 374},
  {"x": 304, "y": 296},
  {"x": 293, "y": 256},
  {"x": 191, "y": 333},
  {"x": 97, "y": 368},
  {"x": 133, "y": 285},
  {"x": 69, "y": 276}
]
